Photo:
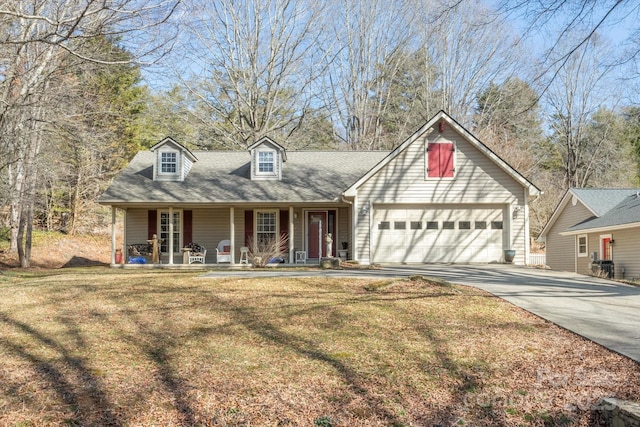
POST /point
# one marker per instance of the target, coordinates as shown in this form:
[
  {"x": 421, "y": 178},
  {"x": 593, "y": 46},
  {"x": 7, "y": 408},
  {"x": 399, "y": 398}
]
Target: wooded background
[{"x": 551, "y": 86}]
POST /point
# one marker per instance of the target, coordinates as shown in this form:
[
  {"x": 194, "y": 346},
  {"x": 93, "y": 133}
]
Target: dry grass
[{"x": 101, "y": 347}]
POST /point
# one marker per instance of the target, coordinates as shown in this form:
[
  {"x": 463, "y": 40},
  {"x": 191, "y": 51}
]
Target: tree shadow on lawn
[
  {"x": 156, "y": 340},
  {"x": 258, "y": 321},
  {"x": 81, "y": 391}
]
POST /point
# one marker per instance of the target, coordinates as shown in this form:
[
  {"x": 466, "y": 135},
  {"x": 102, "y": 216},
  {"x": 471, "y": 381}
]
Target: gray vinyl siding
[
  {"x": 561, "y": 250},
  {"x": 625, "y": 252},
  {"x": 344, "y": 230},
  {"x": 209, "y": 226},
  {"x": 186, "y": 166},
  {"x": 298, "y": 230},
  {"x": 583, "y": 264},
  {"x": 478, "y": 181},
  {"x": 136, "y": 231}
]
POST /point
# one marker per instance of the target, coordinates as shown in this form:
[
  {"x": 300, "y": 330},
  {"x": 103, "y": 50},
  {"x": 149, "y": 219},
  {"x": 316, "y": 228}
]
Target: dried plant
[{"x": 264, "y": 251}]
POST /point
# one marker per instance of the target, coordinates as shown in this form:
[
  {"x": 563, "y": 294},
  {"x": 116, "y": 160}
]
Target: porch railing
[{"x": 537, "y": 259}]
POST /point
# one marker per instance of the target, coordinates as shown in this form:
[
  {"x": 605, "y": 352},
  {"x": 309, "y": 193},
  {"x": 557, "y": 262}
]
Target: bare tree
[
  {"x": 369, "y": 38},
  {"x": 508, "y": 120},
  {"x": 43, "y": 39},
  {"x": 555, "y": 21},
  {"x": 468, "y": 49},
  {"x": 574, "y": 96},
  {"x": 252, "y": 66}
]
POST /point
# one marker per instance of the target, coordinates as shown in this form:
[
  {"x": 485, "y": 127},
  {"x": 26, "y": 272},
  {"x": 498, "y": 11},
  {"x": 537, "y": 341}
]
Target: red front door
[
  {"x": 316, "y": 229},
  {"x": 606, "y": 248}
]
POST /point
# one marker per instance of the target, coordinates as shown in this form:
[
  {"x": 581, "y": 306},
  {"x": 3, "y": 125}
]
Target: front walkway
[{"x": 601, "y": 310}]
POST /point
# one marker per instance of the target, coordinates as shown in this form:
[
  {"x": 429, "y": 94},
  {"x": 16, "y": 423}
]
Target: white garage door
[{"x": 437, "y": 235}]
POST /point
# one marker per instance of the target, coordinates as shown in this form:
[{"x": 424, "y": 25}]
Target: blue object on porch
[
  {"x": 276, "y": 260},
  {"x": 137, "y": 260}
]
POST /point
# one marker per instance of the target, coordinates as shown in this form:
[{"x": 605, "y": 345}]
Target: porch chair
[
  {"x": 198, "y": 253},
  {"x": 223, "y": 251}
]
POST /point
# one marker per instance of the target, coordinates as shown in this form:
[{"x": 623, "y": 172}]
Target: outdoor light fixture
[{"x": 516, "y": 210}]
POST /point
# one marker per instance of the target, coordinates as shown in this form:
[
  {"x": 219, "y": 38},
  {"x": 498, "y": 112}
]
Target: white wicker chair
[
  {"x": 198, "y": 254},
  {"x": 223, "y": 251}
]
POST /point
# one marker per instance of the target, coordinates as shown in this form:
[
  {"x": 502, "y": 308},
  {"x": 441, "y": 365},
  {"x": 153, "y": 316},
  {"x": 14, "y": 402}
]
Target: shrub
[{"x": 262, "y": 252}]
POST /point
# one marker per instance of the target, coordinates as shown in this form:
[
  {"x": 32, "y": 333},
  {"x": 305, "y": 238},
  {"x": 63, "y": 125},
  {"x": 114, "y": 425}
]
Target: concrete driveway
[{"x": 603, "y": 311}]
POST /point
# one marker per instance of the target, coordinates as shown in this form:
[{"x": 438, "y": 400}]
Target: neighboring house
[
  {"x": 595, "y": 223},
  {"x": 441, "y": 196}
]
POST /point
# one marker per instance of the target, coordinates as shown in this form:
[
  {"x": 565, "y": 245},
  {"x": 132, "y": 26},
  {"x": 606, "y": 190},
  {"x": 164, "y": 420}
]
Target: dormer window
[
  {"x": 265, "y": 162},
  {"x": 169, "y": 163},
  {"x": 267, "y": 158},
  {"x": 172, "y": 161}
]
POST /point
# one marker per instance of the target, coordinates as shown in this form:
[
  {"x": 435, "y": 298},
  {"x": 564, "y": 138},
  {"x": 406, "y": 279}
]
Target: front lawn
[{"x": 104, "y": 347}]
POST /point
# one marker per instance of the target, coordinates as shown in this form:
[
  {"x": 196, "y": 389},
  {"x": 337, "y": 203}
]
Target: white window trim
[
  {"x": 602, "y": 237},
  {"x": 426, "y": 159},
  {"x": 160, "y": 163},
  {"x": 255, "y": 221},
  {"x": 273, "y": 162},
  {"x": 586, "y": 245},
  {"x": 179, "y": 232}
]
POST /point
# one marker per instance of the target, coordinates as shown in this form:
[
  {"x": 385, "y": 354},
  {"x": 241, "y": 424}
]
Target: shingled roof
[
  {"x": 601, "y": 200},
  {"x": 626, "y": 212},
  {"x": 224, "y": 177}
]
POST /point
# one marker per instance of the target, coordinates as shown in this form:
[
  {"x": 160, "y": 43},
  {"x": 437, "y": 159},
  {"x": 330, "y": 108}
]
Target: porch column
[
  {"x": 291, "y": 236},
  {"x": 527, "y": 236},
  {"x": 125, "y": 250},
  {"x": 232, "y": 232},
  {"x": 170, "y": 234},
  {"x": 354, "y": 229},
  {"x": 113, "y": 235}
]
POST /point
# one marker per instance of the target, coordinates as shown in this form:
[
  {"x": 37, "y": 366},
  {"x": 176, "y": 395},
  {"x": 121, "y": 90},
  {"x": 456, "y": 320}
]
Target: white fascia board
[
  {"x": 426, "y": 130},
  {"x": 601, "y": 229}
]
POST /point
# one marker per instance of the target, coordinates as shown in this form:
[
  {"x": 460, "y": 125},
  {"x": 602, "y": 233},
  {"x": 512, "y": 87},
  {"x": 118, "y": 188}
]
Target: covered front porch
[{"x": 226, "y": 233}]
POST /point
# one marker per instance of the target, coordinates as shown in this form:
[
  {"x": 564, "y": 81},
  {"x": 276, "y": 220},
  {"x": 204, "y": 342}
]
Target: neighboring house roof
[
  {"x": 599, "y": 201},
  {"x": 442, "y": 116},
  {"x": 225, "y": 177},
  {"x": 625, "y": 214}
]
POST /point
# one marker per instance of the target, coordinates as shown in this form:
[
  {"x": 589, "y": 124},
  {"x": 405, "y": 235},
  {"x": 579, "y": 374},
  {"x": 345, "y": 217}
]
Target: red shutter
[
  {"x": 284, "y": 228},
  {"x": 187, "y": 223},
  {"x": 433, "y": 160},
  {"x": 248, "y": 226},
  {"x": 152, "y": 223},
  {"x": 440, "y": 160},
  {"x": 446, "y": 160}
]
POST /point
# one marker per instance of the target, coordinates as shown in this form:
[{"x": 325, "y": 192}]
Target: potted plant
[{"x": 509, "y": 255}]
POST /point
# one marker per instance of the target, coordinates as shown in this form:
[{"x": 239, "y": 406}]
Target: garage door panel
[{"x": 407, "y": 239}]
